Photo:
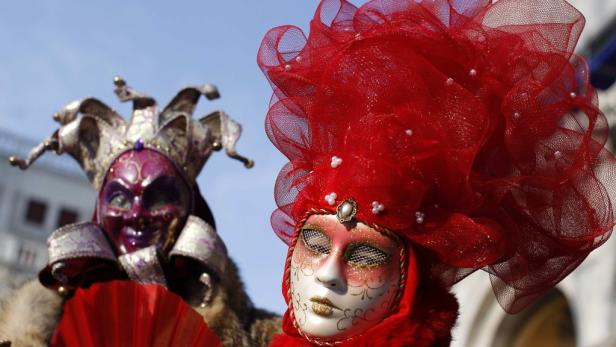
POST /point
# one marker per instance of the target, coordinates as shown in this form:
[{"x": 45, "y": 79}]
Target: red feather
[{"x": 125, "y": 313}]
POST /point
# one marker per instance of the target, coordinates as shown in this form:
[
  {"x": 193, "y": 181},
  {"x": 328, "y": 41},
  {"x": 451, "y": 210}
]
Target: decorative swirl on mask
[
  {"x": 368, "y": 291},
  {"x": 358, "y": 314},
  {"x": 304, "y": 267},
  {"x": 301, "y": 307}
]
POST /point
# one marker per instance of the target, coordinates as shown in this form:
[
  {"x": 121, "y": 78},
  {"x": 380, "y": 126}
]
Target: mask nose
[
  {"x": 330, "y": 274},
  {"x": 137, "y": 215}
]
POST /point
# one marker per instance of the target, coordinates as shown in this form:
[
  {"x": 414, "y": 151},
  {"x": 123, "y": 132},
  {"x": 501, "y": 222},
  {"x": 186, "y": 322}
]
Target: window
[
  {"x": 36, "y": 211},
  {"x": 26, "y": 256},
  {"x": 67, "y": 216}
]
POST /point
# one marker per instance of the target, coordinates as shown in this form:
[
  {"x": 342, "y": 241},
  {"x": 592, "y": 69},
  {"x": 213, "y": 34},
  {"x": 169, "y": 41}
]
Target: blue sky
[{"x": 54, "y": 52}]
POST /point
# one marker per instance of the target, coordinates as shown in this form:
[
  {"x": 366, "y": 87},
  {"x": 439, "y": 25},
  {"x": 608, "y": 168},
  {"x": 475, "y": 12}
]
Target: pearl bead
[
  {"x": 409, "y": 132},
  {"x": 449, "y": 81},
  {"x": 346, "y": 210},
  {"x": 287, "y": 67},
  {"x": 377, "y": 207},
  {"x": 558, "y": 155},
  {"x": 573, "y": 95},
  {"x": 331, "y": 198},
  {"x": 419, "y": 217},
  {"x": 335, "y": 162},
  {"x": 473, "y": 73}
]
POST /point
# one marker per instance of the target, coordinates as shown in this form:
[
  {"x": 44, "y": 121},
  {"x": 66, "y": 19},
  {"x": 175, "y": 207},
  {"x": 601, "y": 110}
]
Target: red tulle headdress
[{"x": 467, "y": 128}]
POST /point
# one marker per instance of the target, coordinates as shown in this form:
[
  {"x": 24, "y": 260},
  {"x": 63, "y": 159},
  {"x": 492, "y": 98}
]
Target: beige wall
[{"x": 58, "y": 183}]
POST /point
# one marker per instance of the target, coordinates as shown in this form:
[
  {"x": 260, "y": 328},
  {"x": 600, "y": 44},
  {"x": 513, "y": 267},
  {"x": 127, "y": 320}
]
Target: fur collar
[{"x": 29, "y": 316}]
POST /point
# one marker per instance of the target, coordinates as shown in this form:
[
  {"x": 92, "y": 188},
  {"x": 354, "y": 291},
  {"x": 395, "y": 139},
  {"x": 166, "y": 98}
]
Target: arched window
[{"x": 547, "y": 323}]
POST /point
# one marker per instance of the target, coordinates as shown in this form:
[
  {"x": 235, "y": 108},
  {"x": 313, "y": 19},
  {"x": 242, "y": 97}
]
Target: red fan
[{"x": 125, "y": 313}]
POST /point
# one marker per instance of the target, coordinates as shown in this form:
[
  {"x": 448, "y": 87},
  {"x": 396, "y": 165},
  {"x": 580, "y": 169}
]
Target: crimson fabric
[
  {"x": 478, "y": 115},
  {"x": 125, "y": 313}
]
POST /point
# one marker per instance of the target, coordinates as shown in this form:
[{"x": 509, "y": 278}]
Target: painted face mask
[
  {"x": 343, "y": 281},
  {"x": 143, "y": 201}
]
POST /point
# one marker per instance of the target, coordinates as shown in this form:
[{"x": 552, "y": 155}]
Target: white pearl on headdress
[
  {"x": 409, "y": 132},
  {"x": 419, "y": 217},
  {"x": 357, "y": 36},
  {"x": 287, "y": 67},
  {"x": 516, "y": 116},
  {"x": 573, "y": 95},
  {"x": 335, "y": 162},
  {"x": 331, "y": 198},
  {"x": 449, "y": 81},
  {"x": 377, "y": 207},
  {"x": 298, "y": 58},
  {"x": 558, "y": 154},
  {"x": 473, "y": 72}
]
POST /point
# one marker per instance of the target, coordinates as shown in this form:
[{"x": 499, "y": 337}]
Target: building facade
[{"x": 33, "y": 203}]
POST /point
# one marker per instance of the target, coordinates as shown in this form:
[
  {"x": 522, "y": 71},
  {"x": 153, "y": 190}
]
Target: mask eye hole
[
  {"x": 120, "y": 200},
  {"x": 363, "y": 255},
  {"x": 163, "y": 191},
  {"x": 316, "y": 241}
]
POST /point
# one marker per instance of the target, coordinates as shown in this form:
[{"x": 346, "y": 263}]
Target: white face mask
[{"x": 342, "y": 281}]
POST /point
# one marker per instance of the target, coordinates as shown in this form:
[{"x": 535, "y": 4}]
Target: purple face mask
[{"x": 144, "y": 201}]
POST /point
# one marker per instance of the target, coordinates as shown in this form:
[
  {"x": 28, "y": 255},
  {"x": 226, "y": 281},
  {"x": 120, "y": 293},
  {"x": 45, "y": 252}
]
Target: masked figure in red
[
  {"x": 151, "y": 224},
  {"x": 427, "y": 140}
]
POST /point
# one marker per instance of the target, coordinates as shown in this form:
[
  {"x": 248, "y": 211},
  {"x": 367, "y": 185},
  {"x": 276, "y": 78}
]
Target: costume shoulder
[{"x": 29, "y": 316}]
